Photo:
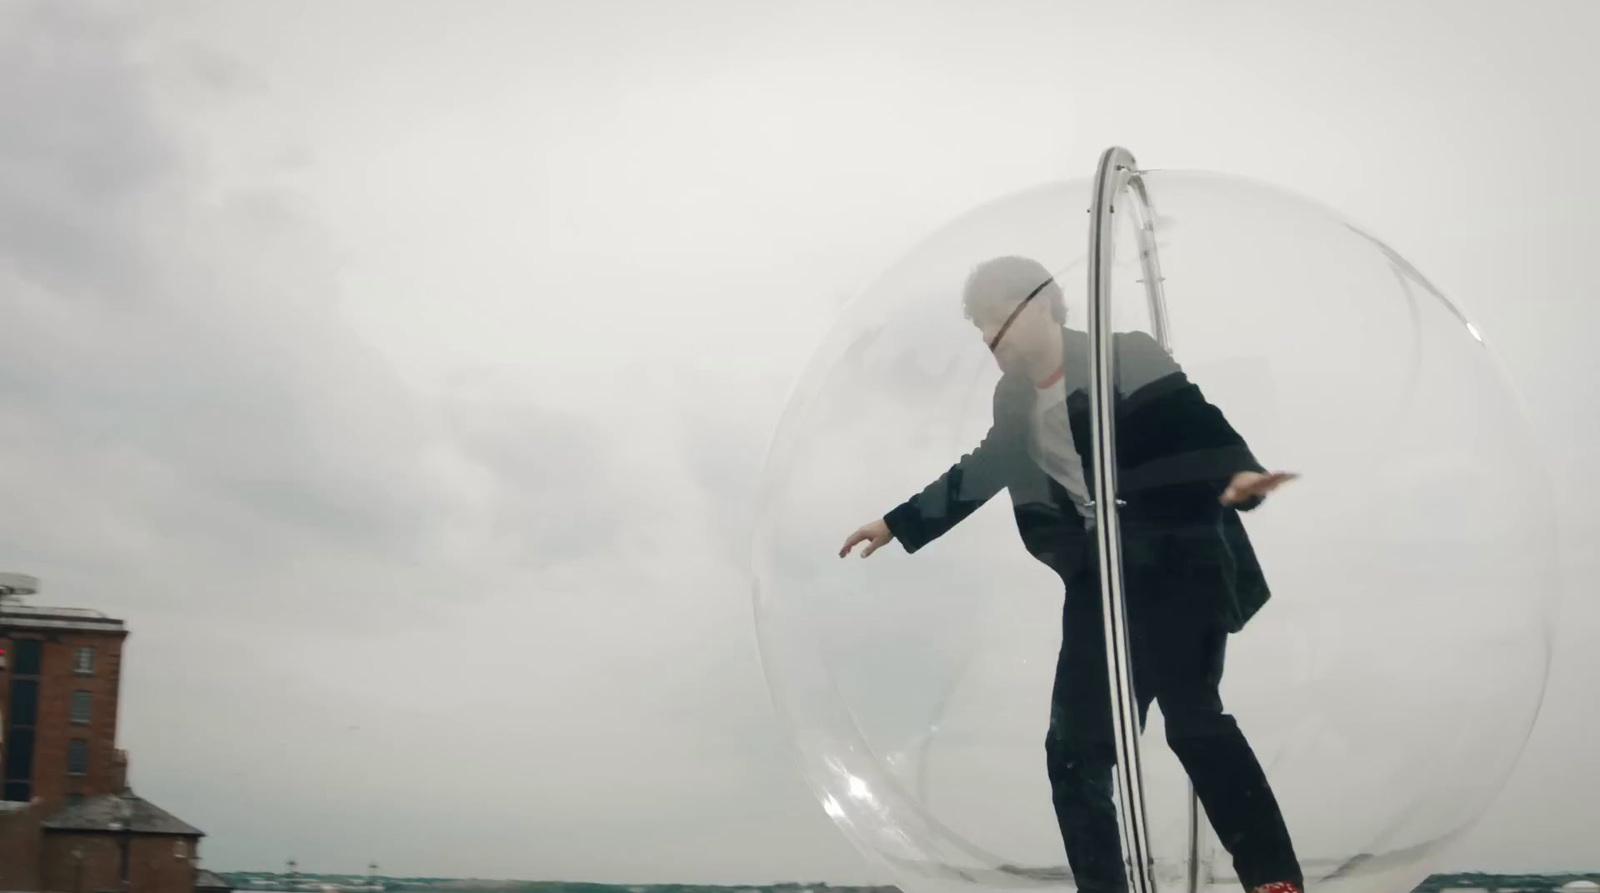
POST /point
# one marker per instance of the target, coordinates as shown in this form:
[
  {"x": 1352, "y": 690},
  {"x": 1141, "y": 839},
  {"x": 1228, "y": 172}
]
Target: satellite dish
[{"x": 17, "y": 584}]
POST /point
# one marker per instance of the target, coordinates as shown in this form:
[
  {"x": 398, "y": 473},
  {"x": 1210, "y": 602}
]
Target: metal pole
[
  {"x": 1111, "y": 178},
  {"x": 1155, "y": 293}
]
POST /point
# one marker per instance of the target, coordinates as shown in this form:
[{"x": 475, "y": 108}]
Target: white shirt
[{"x": 1051, "y": 446}]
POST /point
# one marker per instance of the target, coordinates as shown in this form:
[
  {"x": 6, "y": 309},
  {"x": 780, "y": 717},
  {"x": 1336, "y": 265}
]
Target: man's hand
[
  {"x": 1247, "y": 485},
  {"x": 874, "y": 533}
]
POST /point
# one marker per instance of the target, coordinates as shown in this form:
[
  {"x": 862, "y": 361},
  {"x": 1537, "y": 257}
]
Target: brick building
[
  {"x": 68, "y": 821},
  {"x": 60, "y": 676},
  {"x": 87, "y": 846}
]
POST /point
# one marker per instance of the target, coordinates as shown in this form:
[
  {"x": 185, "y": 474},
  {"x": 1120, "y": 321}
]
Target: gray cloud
[
  {"x": 80, "y": 154},
  {"x": 198, "y": 442},
  {"x": 554, "y": 494},
  {"x": 176, "y": 373}
]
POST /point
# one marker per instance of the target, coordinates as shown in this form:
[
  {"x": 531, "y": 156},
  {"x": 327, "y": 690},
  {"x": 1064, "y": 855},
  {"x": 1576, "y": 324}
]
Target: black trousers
[{"x": 1177, "y": 661}]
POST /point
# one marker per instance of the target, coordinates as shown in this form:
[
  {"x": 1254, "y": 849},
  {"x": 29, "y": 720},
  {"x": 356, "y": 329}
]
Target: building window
[
  {"x": 19, "y": 757},
  {"x": 80, "y": 707},
  {"x": 28, "y": 652},
  {"x": 16, "y": 750},
  {"x": 24, "y": 702},
  {"x": 180, "y": 849},
  {"x": 83, "y": 662},
  {"x": 78, "y": 756}
]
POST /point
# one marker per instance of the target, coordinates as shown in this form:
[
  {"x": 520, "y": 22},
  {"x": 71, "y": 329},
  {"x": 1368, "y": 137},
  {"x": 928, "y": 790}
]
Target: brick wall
[
  {"x": 19, "y": 846},
  {"x": 90, "y": 862},
  {"x": 58, "y": 680}
]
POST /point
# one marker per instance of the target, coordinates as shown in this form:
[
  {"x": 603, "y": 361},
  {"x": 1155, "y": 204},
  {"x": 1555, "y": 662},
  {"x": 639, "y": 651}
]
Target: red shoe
[{"x": 1278, "y": 887}]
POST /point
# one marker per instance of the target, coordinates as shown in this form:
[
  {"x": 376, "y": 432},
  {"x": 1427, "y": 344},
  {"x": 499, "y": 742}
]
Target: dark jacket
[{"x": 1175, "y": 456}]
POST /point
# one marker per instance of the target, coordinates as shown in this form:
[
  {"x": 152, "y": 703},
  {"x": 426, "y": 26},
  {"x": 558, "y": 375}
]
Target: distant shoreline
[{"x": 339, "y": 882}]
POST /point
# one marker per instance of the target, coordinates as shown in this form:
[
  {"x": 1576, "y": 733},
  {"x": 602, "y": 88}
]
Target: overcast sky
[{"x": 402, "y": 372}]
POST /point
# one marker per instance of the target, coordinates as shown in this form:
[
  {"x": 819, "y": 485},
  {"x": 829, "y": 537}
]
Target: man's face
[{"x": 1016, "y": 334}]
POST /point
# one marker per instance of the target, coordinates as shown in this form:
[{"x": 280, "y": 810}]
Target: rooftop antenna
[{"x": 14, "y": 586}]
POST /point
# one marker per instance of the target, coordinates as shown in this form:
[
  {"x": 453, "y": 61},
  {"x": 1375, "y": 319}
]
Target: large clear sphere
[{"x": 1386, "y": 688}]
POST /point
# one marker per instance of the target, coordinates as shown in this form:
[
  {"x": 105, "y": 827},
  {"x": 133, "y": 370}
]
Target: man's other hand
[
  {"x": 1248, "y": 485},
  {"x": 874, "y": 533}
]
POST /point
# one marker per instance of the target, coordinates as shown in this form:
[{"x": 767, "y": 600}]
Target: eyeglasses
[{"x": 1012, "y": 317}]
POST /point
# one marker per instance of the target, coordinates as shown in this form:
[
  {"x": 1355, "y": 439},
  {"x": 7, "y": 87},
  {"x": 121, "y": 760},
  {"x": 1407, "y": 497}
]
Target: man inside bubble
[{"x": 1190, "y": 575}]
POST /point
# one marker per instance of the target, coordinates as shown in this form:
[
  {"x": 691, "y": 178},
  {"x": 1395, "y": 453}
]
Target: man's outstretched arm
[
  {"x": 1181, "y": 437},
  {"x": 941, "y": 505}
]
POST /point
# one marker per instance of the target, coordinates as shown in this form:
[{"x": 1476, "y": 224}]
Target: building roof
[
  {"x": 113, "y": 812},
  {"x": 18, "y": 616},
  {"x": 210, "y": 880}
]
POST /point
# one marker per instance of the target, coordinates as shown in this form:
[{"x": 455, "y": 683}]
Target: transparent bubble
[{"x": 1387, "y": 685}]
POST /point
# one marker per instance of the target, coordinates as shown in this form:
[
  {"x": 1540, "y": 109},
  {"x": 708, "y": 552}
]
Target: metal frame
[
  {"x": 1111, "y": 178},
  {"x": 1117, "y": 179}
]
